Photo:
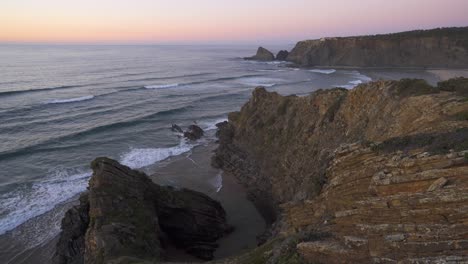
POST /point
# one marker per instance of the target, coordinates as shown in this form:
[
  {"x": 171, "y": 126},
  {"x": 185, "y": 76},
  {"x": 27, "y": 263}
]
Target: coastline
[{"x": 189, "y": 170}]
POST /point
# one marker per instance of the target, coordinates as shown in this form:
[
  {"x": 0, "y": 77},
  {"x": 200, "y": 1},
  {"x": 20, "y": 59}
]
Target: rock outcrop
[
  {"x": 193, "y": 132},
  {"x": 446, "y": 47},
  {"x": 125, "y": 216},
  {"x": 377, "y": 174},
  {"x": 282, "y": 55},
  {"x": 262, "y": 55}
]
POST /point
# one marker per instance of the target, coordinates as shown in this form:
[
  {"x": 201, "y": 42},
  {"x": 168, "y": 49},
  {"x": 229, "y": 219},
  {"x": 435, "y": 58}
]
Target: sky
[{"x": 217, "y": 21}]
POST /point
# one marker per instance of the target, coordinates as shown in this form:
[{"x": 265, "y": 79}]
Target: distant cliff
[
  {"x": 445, "y": 47},
  {"x": 376, "y": 174}
]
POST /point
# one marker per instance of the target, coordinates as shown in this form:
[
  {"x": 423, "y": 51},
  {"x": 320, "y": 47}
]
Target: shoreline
[{"x": 189, "y": 170}]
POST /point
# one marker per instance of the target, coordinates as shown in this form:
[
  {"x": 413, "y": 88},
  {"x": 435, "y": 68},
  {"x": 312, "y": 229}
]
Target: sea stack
[
  {"x": 262, "y": 55},
  {"x": 282, "y": 55}
]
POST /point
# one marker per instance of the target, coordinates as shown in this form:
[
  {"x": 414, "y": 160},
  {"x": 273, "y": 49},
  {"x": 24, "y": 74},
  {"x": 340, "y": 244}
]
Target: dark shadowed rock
[
  {"x": 122, "y": 212},
  {"x": 176, "y": 128},
  {"x": 282, "y": 55},
  {"x": 191, "y": 220},
  {"x": 262, "y": 55},
  {"x": 193, "y": 132},
  {"x": 127, "y": 216},
  {"x": 71, "y": 245}
]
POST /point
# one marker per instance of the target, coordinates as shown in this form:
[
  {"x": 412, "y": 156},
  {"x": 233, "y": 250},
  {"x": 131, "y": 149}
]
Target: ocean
[{"x": 63, "y": 105}]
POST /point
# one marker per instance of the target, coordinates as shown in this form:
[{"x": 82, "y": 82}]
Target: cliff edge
[
  {"x": 377, "y": 174},
  {"x": 443, "y": 47}
]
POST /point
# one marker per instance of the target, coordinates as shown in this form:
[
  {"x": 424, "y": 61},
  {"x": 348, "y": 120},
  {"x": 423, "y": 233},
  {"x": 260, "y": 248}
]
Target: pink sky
[{"x": 217, "y": 21}]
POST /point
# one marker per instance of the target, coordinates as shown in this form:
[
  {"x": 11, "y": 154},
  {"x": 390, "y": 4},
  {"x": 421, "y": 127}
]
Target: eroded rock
[
  {"x": 193, "y": 132},
  {"x": 127, "y": 216}
]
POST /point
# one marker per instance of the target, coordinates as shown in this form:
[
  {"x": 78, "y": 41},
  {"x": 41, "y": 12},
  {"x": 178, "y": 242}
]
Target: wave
[
  {"x": 31, "y": 200},
  {"x": 142, "y": 157},
  {"x": 211, "y": 124},
  {"x": 26, "y": 202},
  {"x": 8, "y": 93},
  {"x": 169, "y": 77},
  {"x": 330, "y": 71},
  {"x": 71, "y": 100},
  {"x": 259, "y": 81},
  {"x": 162, "y": 86},
  {"x": 106, "y": 127},
  {"x": 361, "y": 78}
]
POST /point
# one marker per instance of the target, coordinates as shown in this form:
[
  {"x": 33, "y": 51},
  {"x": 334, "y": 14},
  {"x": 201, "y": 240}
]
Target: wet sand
[{"x": 193, "y": 170}]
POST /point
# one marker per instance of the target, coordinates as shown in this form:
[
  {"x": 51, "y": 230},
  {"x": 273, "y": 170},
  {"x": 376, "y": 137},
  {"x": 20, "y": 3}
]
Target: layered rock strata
[{"x": 377, "y": 174}]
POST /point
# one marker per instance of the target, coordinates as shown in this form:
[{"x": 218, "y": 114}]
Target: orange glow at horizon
[{"x": 210, "y": 20}]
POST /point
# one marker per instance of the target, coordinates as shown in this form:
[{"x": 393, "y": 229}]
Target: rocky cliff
[
  {"x": 126, "y": 218},
  {"x": 377, "y": 174},
  {"x": 446, "y": 47}
]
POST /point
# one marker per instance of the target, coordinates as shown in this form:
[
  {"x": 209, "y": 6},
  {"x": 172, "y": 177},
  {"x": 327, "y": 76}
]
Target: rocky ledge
[
  {"x": 376, "y": 174},
  {"x": 126, "y": 218}
]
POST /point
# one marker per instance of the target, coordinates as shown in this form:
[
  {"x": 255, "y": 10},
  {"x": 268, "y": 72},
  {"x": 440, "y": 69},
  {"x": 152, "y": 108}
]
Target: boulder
[
  {"x": 126, "y": 215},
  {"x": 262, "y": 55},
  {"x": 282, "y": 55},
  {"x": 193, "y": 132}
]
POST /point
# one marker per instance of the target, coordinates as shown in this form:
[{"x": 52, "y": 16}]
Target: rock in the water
[
  {"x": 176, "y": 128},
  {"x": 193, "y": 132},
  {"x": 126, "y": 215},
  {"x": 262, "y": 55},
  {"x": 282, "y": 55}
]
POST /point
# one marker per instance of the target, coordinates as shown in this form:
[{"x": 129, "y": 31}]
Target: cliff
[
  {"x": 445, "y": 47},
  {"x": 377, "y": 174}
]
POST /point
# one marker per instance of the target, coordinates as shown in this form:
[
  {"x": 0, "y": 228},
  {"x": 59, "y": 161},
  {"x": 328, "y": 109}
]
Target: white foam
[
  {"x": 330, "y": 71},
  {"x": 361, "y": 78},
  {"x": 142, "y": 157},
  {"x": 211, "y": 125},
  {"x": 258, "y": 81},
  {"x": 346, "y": 86},
  {"x": 26, "y": 202},
  {"x": 162, "y": 86},
  {"x": 71, "y": 100},
  {"x": 217, "y": 181}
]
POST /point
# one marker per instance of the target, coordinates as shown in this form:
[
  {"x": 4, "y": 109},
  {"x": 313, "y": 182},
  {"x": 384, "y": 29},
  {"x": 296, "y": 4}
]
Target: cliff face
[
  {"x": 375, "y": 174},
  {"x": 430, "y": 48}
]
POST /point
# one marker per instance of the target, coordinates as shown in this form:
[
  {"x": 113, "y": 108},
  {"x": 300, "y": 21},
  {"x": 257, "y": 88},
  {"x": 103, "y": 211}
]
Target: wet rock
[
  {"x": 193, "y": 132},
  {"x": 176, "y": 128},
  {"x": 282, "y": 55},
  {"x": 71, "y": 245},
  {"x": 262, "y": 55}
]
